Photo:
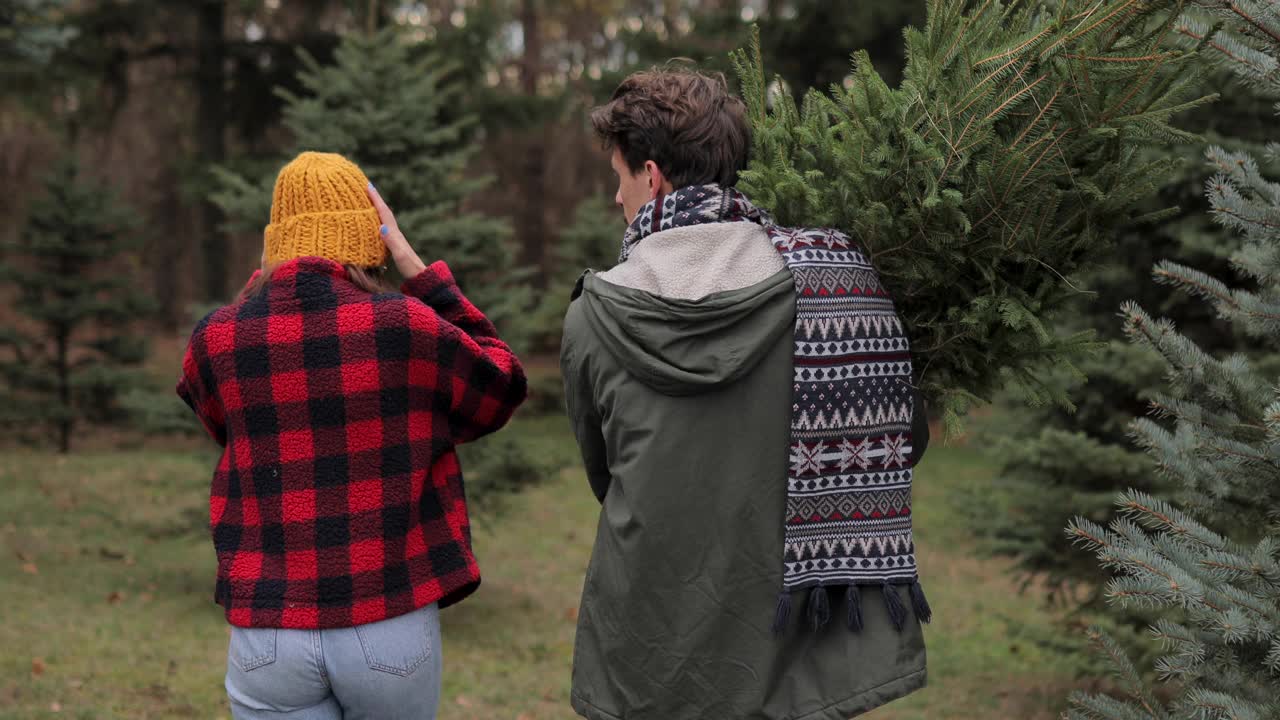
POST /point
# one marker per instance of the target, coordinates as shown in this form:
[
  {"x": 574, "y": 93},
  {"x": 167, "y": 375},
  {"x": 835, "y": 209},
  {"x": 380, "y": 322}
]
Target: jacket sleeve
[
  {"x": 919, "y": 429},
  {"x": 580, "y": 404},
  {"x": 481, "y": 377},
  {"x": 198, "y": 395}
]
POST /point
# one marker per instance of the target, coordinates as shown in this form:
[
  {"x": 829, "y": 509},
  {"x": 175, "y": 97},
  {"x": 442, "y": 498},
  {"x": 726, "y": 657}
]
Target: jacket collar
[
  {"x": 308, "y": 266},
  {"x": 690, "y": 205}
]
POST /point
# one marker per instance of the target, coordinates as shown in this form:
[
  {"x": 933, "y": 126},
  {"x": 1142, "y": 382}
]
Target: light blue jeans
[{"x": 387, "y": 670}]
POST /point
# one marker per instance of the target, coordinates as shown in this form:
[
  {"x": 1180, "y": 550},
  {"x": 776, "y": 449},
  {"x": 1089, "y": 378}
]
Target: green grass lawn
[{"x": 107, "y": 578}]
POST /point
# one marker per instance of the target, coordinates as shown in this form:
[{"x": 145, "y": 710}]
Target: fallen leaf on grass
[
  {"x": 55, "y": 706},
  {"x": 571, "y": 614},
  {"x": 115, "y": 597},
  {"x": 30, "y": 569},
  {"x": 37, "y": 666},
  {"x": 462, "y": 701}
]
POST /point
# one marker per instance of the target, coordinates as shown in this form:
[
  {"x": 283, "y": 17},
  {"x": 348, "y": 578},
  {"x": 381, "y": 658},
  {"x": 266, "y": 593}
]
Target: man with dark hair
[{"x": 743, "y": 399}]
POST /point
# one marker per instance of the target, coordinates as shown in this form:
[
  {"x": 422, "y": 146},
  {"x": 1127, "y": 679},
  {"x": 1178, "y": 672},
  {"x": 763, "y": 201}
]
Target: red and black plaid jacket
[{"x": 338, "y": 499}]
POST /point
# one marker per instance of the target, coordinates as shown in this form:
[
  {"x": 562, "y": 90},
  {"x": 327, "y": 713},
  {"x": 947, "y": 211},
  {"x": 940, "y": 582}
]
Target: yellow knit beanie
[{"x": 320, "y": 208}]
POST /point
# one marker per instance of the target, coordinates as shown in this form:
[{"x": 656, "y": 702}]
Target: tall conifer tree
[
  {"x": 1056, "y": 462},
  {"x": 73, "y": 347},
  {"x": 392, "y": 108},
  {"x": 1207, "y": 558}
]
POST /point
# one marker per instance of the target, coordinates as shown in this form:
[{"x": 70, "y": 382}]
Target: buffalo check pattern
[{"x": 338, "y": 499}]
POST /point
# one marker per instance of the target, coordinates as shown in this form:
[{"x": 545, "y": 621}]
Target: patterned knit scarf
[{"x": 848, "y": 517}]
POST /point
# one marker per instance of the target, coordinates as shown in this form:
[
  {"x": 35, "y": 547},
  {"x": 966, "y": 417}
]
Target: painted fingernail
[
  {"x": 371, "y": 187},
  {"x": 383, "y": 230}
]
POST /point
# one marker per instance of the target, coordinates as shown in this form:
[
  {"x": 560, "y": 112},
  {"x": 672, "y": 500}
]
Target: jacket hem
[
  {"x": 852, "y": 706},
  {"x": 274, "y": 617}
]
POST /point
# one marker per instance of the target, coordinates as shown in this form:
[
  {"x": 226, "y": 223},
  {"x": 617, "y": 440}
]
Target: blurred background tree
[
  {"x": 393, "y": 112},
  {"x": 164, "y": 92},
  {"x": 77, "y": 335}
]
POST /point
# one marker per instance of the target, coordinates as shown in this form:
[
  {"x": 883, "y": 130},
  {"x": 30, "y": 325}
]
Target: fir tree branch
[
  {"x": 1127, "y": 60},
  {"x": 1235, "y": 7},
  {"x": 1133, "y": 90},
  {"x": 1187, "y": 31},
  {"x": 965, "y": 27},
  {"x": 1125, "y": 8},
  {"x": 1036, "y": 121},
  {"x": 1222, "y": 297},
  {"x": 1048, "y": 29},
  {"x": 1243, "y": 456},
  {"x": 975, "y": 94}
]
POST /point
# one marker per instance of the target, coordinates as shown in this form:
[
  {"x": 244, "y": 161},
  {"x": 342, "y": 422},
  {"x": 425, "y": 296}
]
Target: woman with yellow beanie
[{"x": 337, "y": 507}]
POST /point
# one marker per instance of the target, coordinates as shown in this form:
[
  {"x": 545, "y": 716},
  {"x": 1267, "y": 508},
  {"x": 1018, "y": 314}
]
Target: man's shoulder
[
  {"x": 575, "y": 319},
  {"x": 577, "y": 330},
  {"x": 579, "y": 285}
]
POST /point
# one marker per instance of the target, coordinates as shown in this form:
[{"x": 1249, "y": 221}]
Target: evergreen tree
[
  {"x": 1005, "y": 161},
  {"x": 31, "y": 31},
  {"x": 71, "y": 350},
  {"x": 591, "y": 240},
  {"x": 787, "y": 36},
  {"x": 392, "y": 109},
  {"x": 1055, "y": 463},
  {"x": 1207, "y": 560}
]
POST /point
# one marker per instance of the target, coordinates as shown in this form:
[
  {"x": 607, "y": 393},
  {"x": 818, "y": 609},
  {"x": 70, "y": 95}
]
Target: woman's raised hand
[{"x": 404, "y": 256}]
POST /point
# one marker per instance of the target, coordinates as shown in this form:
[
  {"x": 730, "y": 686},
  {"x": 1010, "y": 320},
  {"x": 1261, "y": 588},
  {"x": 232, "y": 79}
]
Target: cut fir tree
[
  {"x": 1006, "y": 159},
  {"x": 71, "y": 350},
  {"x": 1207, "y": 559}
]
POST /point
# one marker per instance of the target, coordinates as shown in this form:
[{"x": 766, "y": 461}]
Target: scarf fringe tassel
[
  {"x": 783, "y": 613},
  {"x": 893, "y": 604},
  {"x": 819, "y": 607},
  {"x": 919, "y": 604},
  {"x": 853, "y": 603}
]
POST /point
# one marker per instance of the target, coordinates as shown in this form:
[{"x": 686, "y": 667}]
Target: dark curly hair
[{"x": 683, "y": 120}]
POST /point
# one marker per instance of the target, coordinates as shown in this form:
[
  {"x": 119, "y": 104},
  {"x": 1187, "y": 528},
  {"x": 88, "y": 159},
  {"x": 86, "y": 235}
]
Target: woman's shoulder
[{"x": 391, "y": 307}]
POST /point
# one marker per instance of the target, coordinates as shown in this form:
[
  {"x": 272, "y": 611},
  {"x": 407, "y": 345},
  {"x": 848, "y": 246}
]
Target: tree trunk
[
  {"x": 63, "y": 339},
  {"x": 210, "y": 127},
  {"x": 531, "y": 230}
]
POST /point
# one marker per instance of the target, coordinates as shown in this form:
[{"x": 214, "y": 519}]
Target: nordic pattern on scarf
[
  {"x": 338, "y": 498},
  {"x": 848, "y": 509}
]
